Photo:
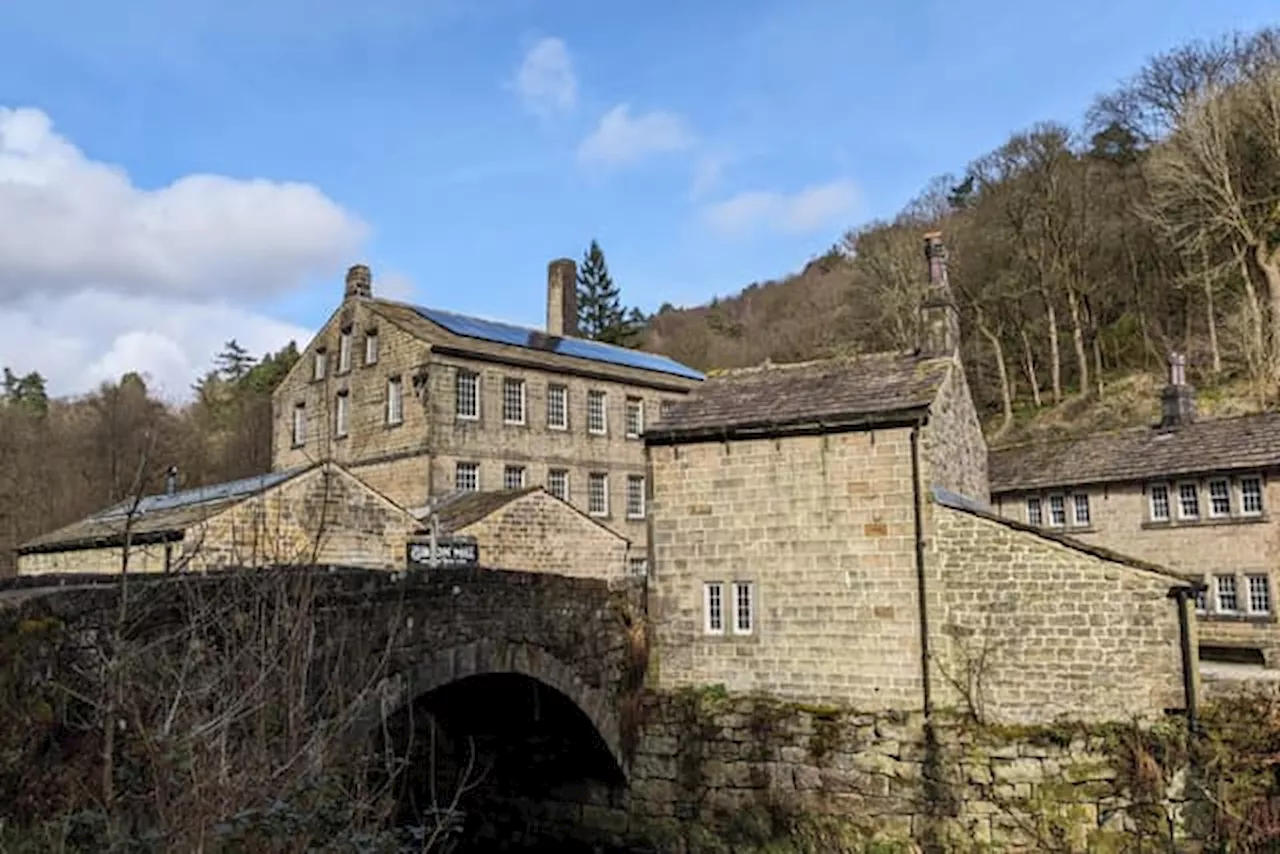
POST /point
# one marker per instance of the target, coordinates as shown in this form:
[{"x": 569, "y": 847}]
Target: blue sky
[{"x": 458, "y": 146}]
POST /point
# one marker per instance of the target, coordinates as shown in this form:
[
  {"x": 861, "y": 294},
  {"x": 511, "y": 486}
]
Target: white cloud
[
  {"x": 623, "y": 140},
  {"x": 545, "y": 79},
  {"x": 706, "y": 175},
  {"x": 808, "y": 210}
]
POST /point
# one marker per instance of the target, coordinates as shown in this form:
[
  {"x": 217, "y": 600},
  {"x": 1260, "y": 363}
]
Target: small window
[
  {"x": 1219, "y": 498},
  {"x": 512, "y": 401},
  {"x": 1159, "y": 503},
  {"x": 598, "y": 494},
  {"x": 466, "y": 477},
  {"x": 597, "y": 413},
  {"x": 1251, "y": 496},
  {"x": 558, "y": 483},
  {"x": 635, "y": 417},
  {"x": 371, "y": 347},
  {"x": 638, "y": 566},
  {"x": 468, "y": 394},
  {"x": 344, "y": 351},
  {"x": 1202, "y": 601},
  {"x": 1227, "y": 601},
  {"x": 318, "y": 366},
  {"x": 635, "y": 496},
  {"x": 713, "y": 607},
  {"x": 557, "y": 407},
  {"x": 1057, "y": 511},
  {"x": 1259, "y": 594},
  {"x": 743, "y": 607},
  {"x": 340, "y": 415},
  {"x": 1188, "y": 501},
  {"x": 513, "y": 477},
  {"x": 299, "y": 425},
  {"x": 1080, "y": 508},
  {"x": 395, "y": 401},
  {"x": 1035, "y": 514}
]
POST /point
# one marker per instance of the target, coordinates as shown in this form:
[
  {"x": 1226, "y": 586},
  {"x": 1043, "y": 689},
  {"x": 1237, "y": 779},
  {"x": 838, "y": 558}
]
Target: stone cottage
[{"x": 821, "y": 532}]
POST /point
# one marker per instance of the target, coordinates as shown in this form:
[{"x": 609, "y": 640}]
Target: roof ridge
[
  {"x": 768, "y": 365},
  {"x": 1133, "y": 428}
]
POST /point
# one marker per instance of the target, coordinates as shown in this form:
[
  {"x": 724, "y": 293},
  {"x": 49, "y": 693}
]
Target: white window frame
[
  {"x": 319, "y": 364},
  {"x": 1062, "y": 503},
  {"x": 741, "y": 627},
  {"x": 1217, "y": 594},
  {"x": 713, "y": 607},
  {"x": 1079, "y": 500},
  {"x": 514, "y": 395},
  {"x": 603, "y": 479},
  {"x": 1182, "y": 514},
  {"x": 552, "y": 475},
  {"x": 635, "y": 406},
  {"x": 603, "y": 427},
  {"x": 1226, "y": 488},
  {"x": 561, "y": 392},
  {"x": 1261, "y": 503},
  {"x": 370, "y": 347},
  {"x": 1162, "y": 489},
  {"x": 341, "y": 414},
  {"x": 1035, "y": 511},
  {"x": 632, "y": 511},
  {"x": 299, "y": 425},
  {"x": 1250, "y": 592},
  {"x": 474, "y": 471},
  {"x": 344, "y": 351},
  {"x": 507, "y": 476},
  {"x": 637, "y": 567},
  {"x": 395, "y": 401},
  {"x": 466, "y": 379}
]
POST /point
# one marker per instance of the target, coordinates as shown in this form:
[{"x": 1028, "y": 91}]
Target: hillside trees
[{"x": 601, "y": 314}]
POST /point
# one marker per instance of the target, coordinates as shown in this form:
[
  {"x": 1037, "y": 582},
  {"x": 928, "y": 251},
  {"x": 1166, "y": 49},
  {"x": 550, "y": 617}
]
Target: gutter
[
  {"x": 1182, "y": 595},
  {"x": 921, "y": 586},
  {"x": 776, "y": 430},
  {"x": 105, "y": 542}
]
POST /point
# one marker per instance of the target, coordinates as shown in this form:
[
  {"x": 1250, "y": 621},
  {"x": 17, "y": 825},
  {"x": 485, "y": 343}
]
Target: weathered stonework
[{"x": 954, "y": 450}]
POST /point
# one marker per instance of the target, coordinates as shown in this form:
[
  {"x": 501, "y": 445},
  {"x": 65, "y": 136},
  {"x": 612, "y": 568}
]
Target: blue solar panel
[
  {"x": 532, "y": 339},
  {"x": 200, "y": 494}
]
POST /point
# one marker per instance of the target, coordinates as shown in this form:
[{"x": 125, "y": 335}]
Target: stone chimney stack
[
  {"x": 359, "y": 282},
  {"x": 939, "y": 317},
  {"x": 562, "y": 298},
  {"x": 1178, "y": 400}
]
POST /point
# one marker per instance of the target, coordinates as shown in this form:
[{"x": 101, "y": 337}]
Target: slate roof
[
  {"x": 830, "y": 392},
  {"x": 1140, "y": 453},
  {"x": 461, "y": 509}
]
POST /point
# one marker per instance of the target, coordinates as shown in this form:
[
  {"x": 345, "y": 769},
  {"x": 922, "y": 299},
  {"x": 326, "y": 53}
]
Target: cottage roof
[
  {"x": 859, "y": 389},
  {"x": 1140, "y": 453},
  {"x": 461, "y": 509}
]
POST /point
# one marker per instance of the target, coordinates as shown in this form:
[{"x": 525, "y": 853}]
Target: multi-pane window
[
  {"x": 513, "y": 401},
  {"x": 371, "y": 347},
  {"x": 513, "y": 477},
  {"x": 467, "y": 394},
  {"x": 318, "y": 365},
  {"x": 395, "y": 400},
  {"x": 558, "y": 407},
  {"x": 635, "y": 417},
  {"x": 340, "y": 415},
  {"x": 299, "y": 425},
  {"x": 558, "y": 483},
  {"x": 743, "y": 607},
  {"x": 598, "y": 494},
  {"x": 1035, "y": 513},
  {"x": 1159, "y": 502},
  {"x": 635, "y": 496},
  {"x": 1251, "y": 496},
  {"x": 1057, "y": 511},
  {"x": 344, "y": 351},
  {"x": 466, "y": 477},
  {"x": 1188, "y": 501},
  {"x": 637, "y": 566},
  {"x": 1219, "y": 498},
  {"x": 1080, "y": 508},
  {"x": 713, "y": 607},
  {"x": 1259, "y": 594},
  {"x": 597, "y": 417},
  {"x": 1227, "y": 600}
]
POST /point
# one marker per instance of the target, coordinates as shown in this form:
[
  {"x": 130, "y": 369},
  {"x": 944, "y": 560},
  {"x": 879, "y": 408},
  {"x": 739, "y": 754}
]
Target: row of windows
[
  {"x": 393, "y": 412},
  {"x": 1057, "y": 507},
  {"x": 515, "y": 405},
  {"x": 1223, "y": 596},
  {"x": 466, "y": 477},
  {"x": 1187, "y": 501},
  {"x": 321, "y": 360},
  {"x": 740, "y": 609}
]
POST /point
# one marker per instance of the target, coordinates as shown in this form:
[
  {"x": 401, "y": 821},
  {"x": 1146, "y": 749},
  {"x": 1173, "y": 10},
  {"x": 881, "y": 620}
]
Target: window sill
[
  {"x": 631, "y": 518},
  {"x": 391, "y": 425},
  {"x": 297, "y": 446},
  {"x": 558, "y": 428},
  {"x": 341, "y": 437},
  {"x": 1210, "y": 617},
  {"x": 1150, "y": 525},
  {"x": 507, "y": 423},
  {"x": 469, "y": 419},
  {"x": 604, "y": 517},
  {"x": 601, "y": 434}
]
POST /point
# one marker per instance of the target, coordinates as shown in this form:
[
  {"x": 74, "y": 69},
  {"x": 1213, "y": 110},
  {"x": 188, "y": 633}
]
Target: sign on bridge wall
[{"x": 450, "y": 552}]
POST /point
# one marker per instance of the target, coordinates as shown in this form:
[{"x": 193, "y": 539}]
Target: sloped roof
[
  {"x": 460, "y": 509},
  {"x": 1139, "y": 453},
  {"x": 827, "y": 392}
]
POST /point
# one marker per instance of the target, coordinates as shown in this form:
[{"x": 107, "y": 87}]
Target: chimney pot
[
  {"x": 939, "y": 318},
  {"x": 562, "y": 298},
  {"x": 171, "y": 480},
  {"x": 359, "y": 282},
  {"x": 1178, "y": 400}
]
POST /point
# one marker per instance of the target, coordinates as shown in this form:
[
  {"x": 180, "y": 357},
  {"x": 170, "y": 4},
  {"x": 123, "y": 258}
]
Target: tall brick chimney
[
  {"x": 562, "y": 298},
  {"x": 939, "y": 317},
  {"x": 359, "y": 282},
  {"x": 1178, "y": 400}
]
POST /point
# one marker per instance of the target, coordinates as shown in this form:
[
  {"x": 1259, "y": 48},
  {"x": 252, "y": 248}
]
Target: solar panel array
[
  {"x": 533, "y": 339},
  {"x": 200, "y": 495}
]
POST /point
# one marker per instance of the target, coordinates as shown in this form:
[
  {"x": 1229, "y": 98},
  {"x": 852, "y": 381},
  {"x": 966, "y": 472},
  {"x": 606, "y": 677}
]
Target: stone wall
[
  {"x": 953, "y": 448},
  {"x": 148, "y": 558}
]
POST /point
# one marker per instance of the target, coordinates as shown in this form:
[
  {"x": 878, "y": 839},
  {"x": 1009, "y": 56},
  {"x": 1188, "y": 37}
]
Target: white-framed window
[
  {"x": 1251, "y": 496},
  {"x": 744, "y": 607},
  {"x": 1259, "y": 594},
  {"x": 635, "y": 496},
  {"x": 1057, "y": 511},
  {"x": 340, "y": 414},
  {"x": 1219, "y": 498},
  {"x": 467, "y": 394},
  {"x": 597, "y": 413},
  {"x": 299, "y": 425},
  {"x": 1188, "y": 501},
  {"x": 1159, "y": 502},
  {"x": 512, "y": 400},
  {"x": 713, "y": 607},
  {"x": 598, "y": 493},
  {"x": 466, "y": 477},
  {"x": 635, "y": 417},
  {"x": 558, "y": 483},
  {"x": 558, "y": 407},
  {"x": 370, "y": 347},
  {"x": 513, "y": 477},
  {"x": 1080, "y": 508},
  {"x": 344, "y": 350},
  {"x": 1035, "y": 512},
  {"x": 318, "y": 363},
  {"x": 1228, "y": 601},
  {"x": 395, "y": 401},
  {"x": 638, "y": 566}
]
